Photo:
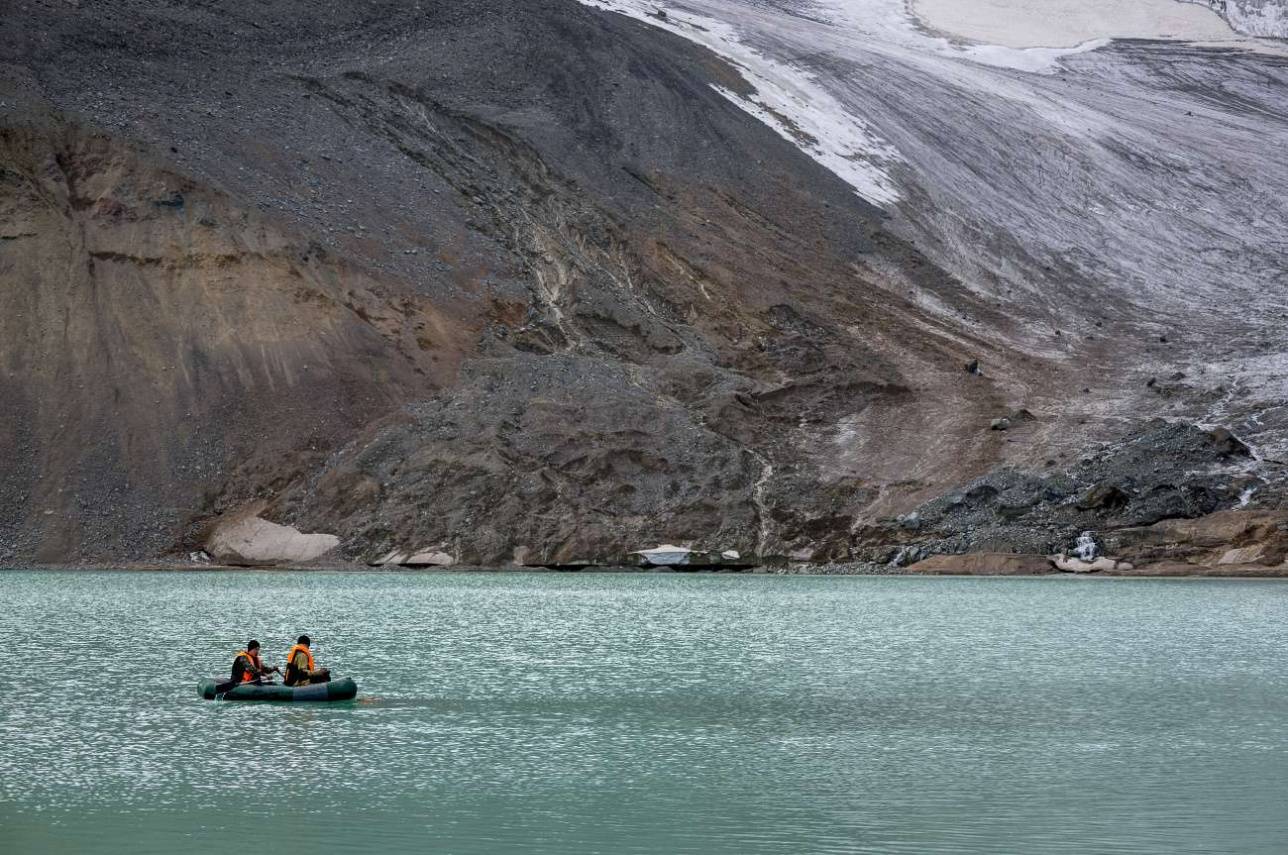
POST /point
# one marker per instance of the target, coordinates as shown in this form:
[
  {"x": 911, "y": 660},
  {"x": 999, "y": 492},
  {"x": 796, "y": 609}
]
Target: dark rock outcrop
[{"x": 1163, "y": 471}]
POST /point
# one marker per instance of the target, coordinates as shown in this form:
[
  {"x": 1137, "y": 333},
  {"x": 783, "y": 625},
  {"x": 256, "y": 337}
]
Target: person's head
[
  {"x": 303, "y": 639},
  {"x": 252, "y": 646}
]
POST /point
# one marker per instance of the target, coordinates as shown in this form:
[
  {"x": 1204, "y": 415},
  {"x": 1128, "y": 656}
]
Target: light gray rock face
[
  {"x": 248, "y": 540},
  {"x": 1266, "y": 18},
  {"x": 414, "y": 558}
]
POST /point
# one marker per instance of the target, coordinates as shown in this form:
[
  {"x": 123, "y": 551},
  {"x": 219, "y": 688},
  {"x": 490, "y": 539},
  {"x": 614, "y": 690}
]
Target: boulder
[
  {"x": 1227, "y": 444},
  {"x": 984, "y": 564},
  {"x": 1103, "y": 495},
  {"x": 428, "y": 557},
  {"x": 247, "y": 540},
  {"x": 909, "y": 522},
  {"x": 1244, "y": 554}
]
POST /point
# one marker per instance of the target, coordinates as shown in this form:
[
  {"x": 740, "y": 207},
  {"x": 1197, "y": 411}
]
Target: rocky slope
[{"x": 543, "y": 283}]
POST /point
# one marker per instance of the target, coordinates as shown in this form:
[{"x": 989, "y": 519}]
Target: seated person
[
  {"x": 247, "y": 667},
  {"x": 300, "y": 670}
]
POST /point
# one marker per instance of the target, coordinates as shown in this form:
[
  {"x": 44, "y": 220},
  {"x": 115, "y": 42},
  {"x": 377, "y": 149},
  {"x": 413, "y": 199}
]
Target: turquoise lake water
[{"x": 602, "y": 713}]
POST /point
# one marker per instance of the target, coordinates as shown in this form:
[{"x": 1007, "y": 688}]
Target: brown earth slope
[{"x": 160, "y": 339}]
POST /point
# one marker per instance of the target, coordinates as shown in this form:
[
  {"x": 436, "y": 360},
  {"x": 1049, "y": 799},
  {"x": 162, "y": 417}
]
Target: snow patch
[
  {"x": 821, "y": 128},
  {"x": 665, "y": 555}
]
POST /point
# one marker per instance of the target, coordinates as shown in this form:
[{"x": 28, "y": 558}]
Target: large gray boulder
[{"x": 245, "y": 539}]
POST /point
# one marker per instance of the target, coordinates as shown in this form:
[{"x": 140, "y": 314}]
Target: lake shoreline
[{"x": 811, "y": 571}]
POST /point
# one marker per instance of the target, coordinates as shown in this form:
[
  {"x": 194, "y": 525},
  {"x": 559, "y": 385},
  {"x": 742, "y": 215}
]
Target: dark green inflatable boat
[{"x": 337, "y": 690}]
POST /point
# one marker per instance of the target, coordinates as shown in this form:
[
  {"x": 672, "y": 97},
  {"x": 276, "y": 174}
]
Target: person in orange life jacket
[
  {"x": 300, "y": 668},
  {"x": 247, "y": 667}
]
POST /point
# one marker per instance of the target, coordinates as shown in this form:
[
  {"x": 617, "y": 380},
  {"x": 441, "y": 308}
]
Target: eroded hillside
[{"x": 527, "y": 282}]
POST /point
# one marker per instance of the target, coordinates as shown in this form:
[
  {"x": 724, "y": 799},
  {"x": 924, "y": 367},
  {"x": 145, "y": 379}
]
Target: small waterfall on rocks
[{"x": 1085, "y": 548}]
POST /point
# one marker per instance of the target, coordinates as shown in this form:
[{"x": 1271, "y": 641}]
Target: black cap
[{"x": 303, "y": 639}]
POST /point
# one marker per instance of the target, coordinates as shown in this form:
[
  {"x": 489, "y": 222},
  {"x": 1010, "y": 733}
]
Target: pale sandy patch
[{"x": 1066, "y": 23}]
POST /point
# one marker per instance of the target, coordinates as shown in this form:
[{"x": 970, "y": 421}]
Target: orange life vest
[
  {"x": 253, "y": 660},
  {"x": 299, "y": 648}
]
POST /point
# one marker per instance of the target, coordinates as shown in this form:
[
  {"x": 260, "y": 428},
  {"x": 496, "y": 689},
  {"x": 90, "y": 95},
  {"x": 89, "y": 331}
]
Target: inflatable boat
[{"x": 219, "y": 688}]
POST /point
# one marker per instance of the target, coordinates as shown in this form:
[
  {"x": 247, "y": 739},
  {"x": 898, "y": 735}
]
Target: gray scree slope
[{"x": 523, "y": 282}]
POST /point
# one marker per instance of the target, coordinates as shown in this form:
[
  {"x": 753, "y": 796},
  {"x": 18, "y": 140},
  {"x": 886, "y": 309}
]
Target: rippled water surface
[{"x": 630, "y": 713}]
